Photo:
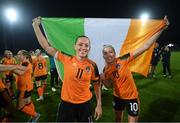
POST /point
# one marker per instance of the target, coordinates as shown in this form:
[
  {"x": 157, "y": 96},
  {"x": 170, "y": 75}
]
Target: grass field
[{"x": 159, "y": 97}]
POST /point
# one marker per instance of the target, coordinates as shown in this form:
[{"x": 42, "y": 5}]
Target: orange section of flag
[{"x": 139, "y": 32}]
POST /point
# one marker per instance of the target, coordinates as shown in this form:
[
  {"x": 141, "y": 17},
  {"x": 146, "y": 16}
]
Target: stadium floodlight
[
  {"x": 170, "y": 45},
  {"x": 144, "y": 18},
  {"x": 11, "y": 14}
]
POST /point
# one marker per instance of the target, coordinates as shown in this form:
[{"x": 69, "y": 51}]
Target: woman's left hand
[{"x": 98, "y": 112}]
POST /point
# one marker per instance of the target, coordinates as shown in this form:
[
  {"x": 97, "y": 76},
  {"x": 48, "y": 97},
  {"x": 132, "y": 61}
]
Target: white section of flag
[{"x": 101, "y": 32}]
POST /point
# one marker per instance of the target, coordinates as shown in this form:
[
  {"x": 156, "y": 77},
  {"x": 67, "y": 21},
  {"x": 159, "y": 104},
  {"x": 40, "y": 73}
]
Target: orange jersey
[
  {"x": 40, "y": 66},
  {"x": 24, "y": 81},
  {"x": 77, "y": 78},
  {"x": 1, "y": 85},
  {"x": 123, "y": 82},
  {"x": 8, "y": 61}
]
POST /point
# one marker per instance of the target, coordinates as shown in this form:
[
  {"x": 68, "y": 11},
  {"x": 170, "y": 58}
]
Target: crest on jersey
[
  {"x": 87, "y": 69},
  {"x": 118, "y": 66}
]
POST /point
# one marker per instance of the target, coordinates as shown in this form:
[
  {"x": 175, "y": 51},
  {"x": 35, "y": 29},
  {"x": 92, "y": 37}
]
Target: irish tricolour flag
[{"x": 125, "y": 35}]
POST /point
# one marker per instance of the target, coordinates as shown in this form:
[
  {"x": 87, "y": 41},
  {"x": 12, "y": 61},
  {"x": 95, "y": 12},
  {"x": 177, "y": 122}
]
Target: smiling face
[
  {"x": 82, "y": 47},
  {"x": 20, "y": 56},
  {"x": 9, "y": 54},
  {"x": 109, "y": 54}
]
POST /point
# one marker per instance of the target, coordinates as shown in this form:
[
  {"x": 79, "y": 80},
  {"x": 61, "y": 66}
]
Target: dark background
[{"x": 20, "y": 35}]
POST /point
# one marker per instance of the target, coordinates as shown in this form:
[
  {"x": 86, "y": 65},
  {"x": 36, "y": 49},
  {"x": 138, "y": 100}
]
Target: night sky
[{"x": 20, "y": 35}]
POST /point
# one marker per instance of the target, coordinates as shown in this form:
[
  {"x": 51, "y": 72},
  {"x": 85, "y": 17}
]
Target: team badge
[
  {"x": 87, "y": 69},
  {"x": 118, "y": 66}
]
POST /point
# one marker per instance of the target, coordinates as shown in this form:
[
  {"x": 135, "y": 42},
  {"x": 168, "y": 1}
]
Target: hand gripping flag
[{"x": 126, "y": 35}]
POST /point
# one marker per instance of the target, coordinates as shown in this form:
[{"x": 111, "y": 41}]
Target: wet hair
[
  {"x": 26, "y": 54},
  {"x": 108, "y": 46},
  {"x": 81, "y": 36}
]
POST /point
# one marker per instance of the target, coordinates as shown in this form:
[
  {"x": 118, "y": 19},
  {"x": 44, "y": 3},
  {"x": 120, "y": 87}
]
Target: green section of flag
[{"x": 62, "y": 33}]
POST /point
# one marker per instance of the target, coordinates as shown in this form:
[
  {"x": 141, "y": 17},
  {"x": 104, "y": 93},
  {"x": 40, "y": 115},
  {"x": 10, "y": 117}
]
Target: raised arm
[
  {"x": 10, "y": 67},
  {"x": 41, "y": 38},
  {"x": 22, "y": 70},
  {"x": 19, "y": 72},
  {"x": 149, "y": 43}
]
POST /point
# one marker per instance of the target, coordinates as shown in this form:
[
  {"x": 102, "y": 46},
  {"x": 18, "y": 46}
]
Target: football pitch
[{"x": 159, "y": 98}]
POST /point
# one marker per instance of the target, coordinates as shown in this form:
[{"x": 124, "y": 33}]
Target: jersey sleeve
[
  {"x": 26, "y": 64},
  {"x": 61, "y": 56},
  {"x": 95, "y": 75},
  {"x": 127, "y": 57}
]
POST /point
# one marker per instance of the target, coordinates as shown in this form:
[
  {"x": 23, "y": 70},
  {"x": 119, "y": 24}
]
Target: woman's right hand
[
  {"x": 36, "y": 21},
  {"x": 166, "y": 21},
  {"x": 22, "y": 68}
]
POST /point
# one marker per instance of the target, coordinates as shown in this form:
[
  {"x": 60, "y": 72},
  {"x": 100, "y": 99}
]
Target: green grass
[{"x": 159, "y": 98}]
